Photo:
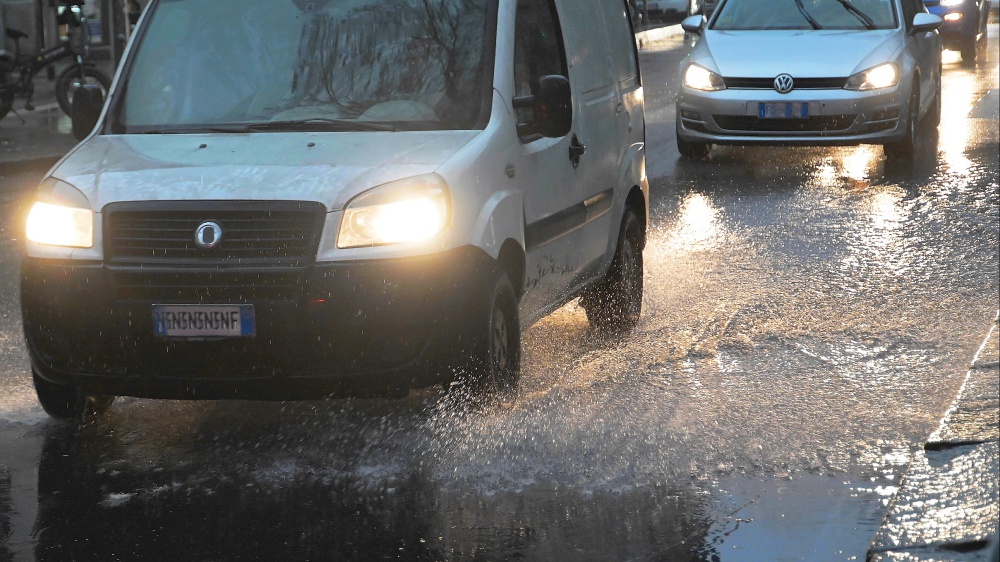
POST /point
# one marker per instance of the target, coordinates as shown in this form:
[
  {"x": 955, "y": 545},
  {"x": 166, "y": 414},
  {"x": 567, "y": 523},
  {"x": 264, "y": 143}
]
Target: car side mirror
[
  {"x": 693, "y": 24},
  {"x": 923, "y": 22},
  {"x": 551, "y": 106},
  {"x": 88, "y": 101}
]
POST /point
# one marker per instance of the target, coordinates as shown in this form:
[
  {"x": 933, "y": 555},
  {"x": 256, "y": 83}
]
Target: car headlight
[
  {"x": 875, "y": 78},
  {"x": 408, "y": 210},
  {"x": 701, "y": 78},
  {"x": 951, "y": 3},
  {"x": 60, "y": 216}
]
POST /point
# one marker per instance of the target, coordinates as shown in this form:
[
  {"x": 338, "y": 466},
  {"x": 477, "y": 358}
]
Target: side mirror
[
  {"x": 923, "y": 22},
  {"x": 551, "y": 106},
  {"x": 693, "y": 24},
  {"x": 88, "y": 101}
]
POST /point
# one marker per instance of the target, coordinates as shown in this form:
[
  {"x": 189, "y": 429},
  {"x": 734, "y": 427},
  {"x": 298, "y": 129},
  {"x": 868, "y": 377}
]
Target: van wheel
[
  {"x": 495, "y": 371},
  {"x": 616, "y": 303},
  {"x": 66, "y": 402}
]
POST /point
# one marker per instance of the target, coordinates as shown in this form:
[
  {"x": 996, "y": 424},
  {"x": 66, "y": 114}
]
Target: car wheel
[
  {"x": 969, "y": 49},
  {"x": 616, "y": 303},
  {"x": 903, "y": 149},
  {"x": 934, "y": 117},
  {"x": 693, "y": 150},
  {"x": 66, "y": 402},
  {"x": 495, "y": 370}
]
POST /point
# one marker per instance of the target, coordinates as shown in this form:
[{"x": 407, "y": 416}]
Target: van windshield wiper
[
  {"x": 854, "y": 10},
  {"x": 812, "y": 21},
  {"x": 319, "y": 124}
]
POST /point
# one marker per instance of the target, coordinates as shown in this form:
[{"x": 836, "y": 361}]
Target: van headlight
[
  {"x": 409, "y": 210},
  {"x": 60, "y": 216},
  {"x": 701, "y": 78},
  {"x": 875, "y": 78}
]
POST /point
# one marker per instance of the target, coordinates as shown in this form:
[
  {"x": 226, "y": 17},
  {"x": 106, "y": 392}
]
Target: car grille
[
  {"x": 751, "y": 124},
  {"x": 800, "y": 83},
  {"x": 285, "y": 233}
]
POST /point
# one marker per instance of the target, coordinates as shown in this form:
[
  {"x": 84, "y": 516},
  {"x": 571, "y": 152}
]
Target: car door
[{"x": 925, "y": 48}]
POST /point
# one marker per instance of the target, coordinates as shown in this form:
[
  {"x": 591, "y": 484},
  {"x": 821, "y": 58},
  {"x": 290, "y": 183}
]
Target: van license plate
[
  {"x": 783, "y": 110},
  {"x": 203, "y": 320}
]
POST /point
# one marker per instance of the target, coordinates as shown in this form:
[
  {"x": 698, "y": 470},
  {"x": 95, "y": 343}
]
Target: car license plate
[
  {"x": 783, "y": 110},
  {"x": 203, "y": 320}
]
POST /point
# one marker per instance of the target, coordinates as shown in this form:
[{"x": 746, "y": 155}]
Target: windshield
[
  {"x": 737, "y": 15},
  {"x": 337, "y": 65}
]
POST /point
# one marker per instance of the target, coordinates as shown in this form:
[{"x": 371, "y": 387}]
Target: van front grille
[
  {"x": 159, "y": 233},
  {"x": 215, "y": 286}
]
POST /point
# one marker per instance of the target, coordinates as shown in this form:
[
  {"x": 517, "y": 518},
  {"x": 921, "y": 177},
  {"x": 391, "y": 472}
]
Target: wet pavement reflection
[{"x": 809, "y": 315}]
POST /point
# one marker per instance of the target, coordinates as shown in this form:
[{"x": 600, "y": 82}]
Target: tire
[
  {"x": 70, "y": 80},
  {"x": 494, "y": 373},
  {"x": 969, "y": 50},
  {"x": 7, "y": 98},
  {"x": 66, "y": 402},
  {"x": 903, "y": 148},
  {"x": 934, "y": 116},
  {"x": 614, "y": 306},
  {"x": 692, "y": 150}
]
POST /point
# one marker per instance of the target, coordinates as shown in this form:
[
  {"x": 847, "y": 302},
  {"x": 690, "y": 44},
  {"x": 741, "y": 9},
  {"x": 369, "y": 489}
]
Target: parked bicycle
[{"x": 17, "y": 70}]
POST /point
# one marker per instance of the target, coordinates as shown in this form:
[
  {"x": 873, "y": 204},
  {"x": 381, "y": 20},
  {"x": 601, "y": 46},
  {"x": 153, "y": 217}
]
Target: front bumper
[
  {"x": 836, "y": 117},
  {"x": 372, "y": 327}
]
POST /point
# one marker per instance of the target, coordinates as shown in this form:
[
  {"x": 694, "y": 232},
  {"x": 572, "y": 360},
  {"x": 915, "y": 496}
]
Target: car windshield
[
  {"x": 242, "y": 65},
  {"x": 735, "y": 15}
]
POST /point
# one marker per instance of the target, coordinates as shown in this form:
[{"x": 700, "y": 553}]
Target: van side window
[{"x": 538, "y": 51}]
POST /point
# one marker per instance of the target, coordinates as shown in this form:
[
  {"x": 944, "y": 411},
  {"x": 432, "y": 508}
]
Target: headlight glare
[
  {"x": 58, "y": 225},
  {"x": 409, "y": 210},
  {"x": 700, "y": 78},
  {"x": 951, "y": 3},
  {"x": 875, "y": 78}
]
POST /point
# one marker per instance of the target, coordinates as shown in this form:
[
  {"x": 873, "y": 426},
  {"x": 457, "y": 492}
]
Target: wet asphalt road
[{"x": 810, "y": 314}]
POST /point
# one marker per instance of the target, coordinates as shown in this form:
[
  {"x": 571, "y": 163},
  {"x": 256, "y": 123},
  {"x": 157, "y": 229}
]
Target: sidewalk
[
  {"x": 947, "y": 506},
  {"x": 33, "y": 138}
]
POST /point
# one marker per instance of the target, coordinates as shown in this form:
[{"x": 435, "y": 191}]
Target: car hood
[
  {"x": 328, "y": 168},
  {"x": 803, "y": 54}
]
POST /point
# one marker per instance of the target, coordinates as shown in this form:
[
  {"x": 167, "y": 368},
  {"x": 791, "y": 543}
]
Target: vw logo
[
  {"x": 784, "y": 83},
  {"x": 208, "y": 235}
]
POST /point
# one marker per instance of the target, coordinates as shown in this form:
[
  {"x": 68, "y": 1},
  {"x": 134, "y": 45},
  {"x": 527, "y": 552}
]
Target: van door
[
  {"x": 598, "y": 114},
  {"x": 554, "y": 202}
]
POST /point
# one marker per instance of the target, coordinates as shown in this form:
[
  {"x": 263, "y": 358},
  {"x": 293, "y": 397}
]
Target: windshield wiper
[
  {"x": 194, "y": 130},
  {"x": 805, "y": 14},
  {"x": 869, "y": 23},
  {"x": 319, "y": 124}
]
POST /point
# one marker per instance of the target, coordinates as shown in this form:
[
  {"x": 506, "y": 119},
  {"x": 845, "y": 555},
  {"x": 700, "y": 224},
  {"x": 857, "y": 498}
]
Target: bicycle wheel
[
  {"x": 6, "y": 94},
  {"x": 70, "y": 80}
]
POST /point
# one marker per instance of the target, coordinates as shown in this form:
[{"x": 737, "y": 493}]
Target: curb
[
  {"x": 659, "y": 34},
  {"x": 946, "y": 507}
]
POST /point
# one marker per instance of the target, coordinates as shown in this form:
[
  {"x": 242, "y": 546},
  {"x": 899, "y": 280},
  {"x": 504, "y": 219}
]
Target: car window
[
  {"x": 538, "y": 51},
  {"x": 413, "y": 63},
  {"x": 796, "y": 14}
]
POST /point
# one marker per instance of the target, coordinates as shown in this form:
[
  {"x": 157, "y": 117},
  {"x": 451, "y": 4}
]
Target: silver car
[{"x": 810, "y": 72}]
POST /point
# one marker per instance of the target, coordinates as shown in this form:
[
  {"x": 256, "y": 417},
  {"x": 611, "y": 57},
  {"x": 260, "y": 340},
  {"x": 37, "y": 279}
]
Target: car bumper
[
  {"x": 376, "y": 327},
  {"x": 836, "y": 117}
]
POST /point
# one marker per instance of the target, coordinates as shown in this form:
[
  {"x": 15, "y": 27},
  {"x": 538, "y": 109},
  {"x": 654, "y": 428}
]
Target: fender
[{"x": 500, "y": 219}]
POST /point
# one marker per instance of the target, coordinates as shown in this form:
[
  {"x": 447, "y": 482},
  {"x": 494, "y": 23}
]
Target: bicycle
[{"x": 17, "y": 70}]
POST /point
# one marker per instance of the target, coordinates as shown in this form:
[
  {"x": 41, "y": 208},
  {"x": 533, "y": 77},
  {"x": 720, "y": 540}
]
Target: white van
[{"x": 286, "y": 199}]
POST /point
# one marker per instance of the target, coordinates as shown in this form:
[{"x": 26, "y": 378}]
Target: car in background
[
  {"x": 663, "y": 10},
  {"x": 809, "y": 72},
  {"x": 964, "y": 26}
]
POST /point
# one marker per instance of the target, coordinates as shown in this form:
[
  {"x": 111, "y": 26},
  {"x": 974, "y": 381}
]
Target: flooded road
[{"x": 809, "y": 315}]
